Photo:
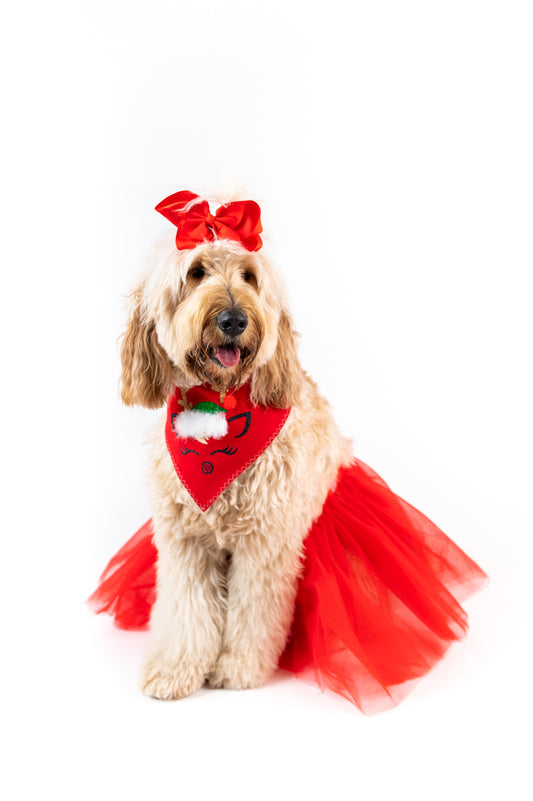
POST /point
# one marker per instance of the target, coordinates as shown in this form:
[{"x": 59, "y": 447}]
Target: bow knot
[{"x": 239, "y": 221}]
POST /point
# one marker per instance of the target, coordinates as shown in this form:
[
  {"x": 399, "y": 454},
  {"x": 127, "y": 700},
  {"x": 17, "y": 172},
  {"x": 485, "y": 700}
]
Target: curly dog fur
[{"x": 219, "y": 620}]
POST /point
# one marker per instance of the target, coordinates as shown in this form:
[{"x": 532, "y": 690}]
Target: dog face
[
  {"x": 214, "y": 314},
  {"x": 217, "y": 327}
]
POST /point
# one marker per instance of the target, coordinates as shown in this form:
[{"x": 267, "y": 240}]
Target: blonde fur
[
  {"x": 226, "y": 622},
  {"x": 146, "y": 369}
]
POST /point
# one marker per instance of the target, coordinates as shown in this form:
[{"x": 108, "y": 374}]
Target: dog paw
[
  {"x": 239, "y": 673},
  {"x": 165, "y": 680}
]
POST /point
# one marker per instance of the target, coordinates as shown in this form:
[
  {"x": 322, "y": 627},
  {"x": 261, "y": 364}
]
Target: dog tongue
[{"x": 229, "y": 356}]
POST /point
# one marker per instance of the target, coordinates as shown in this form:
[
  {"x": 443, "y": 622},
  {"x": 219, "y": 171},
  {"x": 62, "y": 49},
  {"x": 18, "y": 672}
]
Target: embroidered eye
[
  {"x": 227, "y": 450},
  {"x": 185, "y": 451},
  {"x": 197, "y": 272}
]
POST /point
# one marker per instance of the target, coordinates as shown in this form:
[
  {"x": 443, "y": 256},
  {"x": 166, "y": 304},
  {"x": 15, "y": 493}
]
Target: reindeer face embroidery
[
  {"x": 207, "y": 466},
  {"x": 209, "y": 454}
]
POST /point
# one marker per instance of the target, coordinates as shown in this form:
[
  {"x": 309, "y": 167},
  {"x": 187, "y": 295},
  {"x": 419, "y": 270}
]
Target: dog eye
[
  {"x": 249, "y": 277},
  {"x": 197, "y": 272}
]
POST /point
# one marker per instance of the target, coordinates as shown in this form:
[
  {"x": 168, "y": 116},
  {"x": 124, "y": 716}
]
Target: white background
[{"x": 389, "y": 144}]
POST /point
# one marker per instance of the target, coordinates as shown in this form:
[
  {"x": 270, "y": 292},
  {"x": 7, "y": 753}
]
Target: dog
[
  {"x": 272, "y": 544},
  {"x": 216, "y": 314}
]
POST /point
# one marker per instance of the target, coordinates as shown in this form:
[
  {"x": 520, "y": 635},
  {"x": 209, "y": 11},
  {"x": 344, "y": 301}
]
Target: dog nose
[{"x": 232, "y": 321}]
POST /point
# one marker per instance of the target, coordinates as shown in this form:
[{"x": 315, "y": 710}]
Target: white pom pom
[{"x": 200, "y": 425}]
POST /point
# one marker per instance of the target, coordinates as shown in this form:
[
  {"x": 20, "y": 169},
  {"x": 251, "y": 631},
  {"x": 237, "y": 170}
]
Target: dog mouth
[{"x": 228, "y": 356}]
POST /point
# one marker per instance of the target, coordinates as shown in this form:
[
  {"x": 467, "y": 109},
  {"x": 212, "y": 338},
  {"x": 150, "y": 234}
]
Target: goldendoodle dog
[
  {"x": 262, "y": 517},
  {"x": 216, "y": 314}
]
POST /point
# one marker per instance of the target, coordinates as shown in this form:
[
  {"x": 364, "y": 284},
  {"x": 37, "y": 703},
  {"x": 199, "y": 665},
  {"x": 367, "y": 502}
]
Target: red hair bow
[{"x": 239, "y": 221}]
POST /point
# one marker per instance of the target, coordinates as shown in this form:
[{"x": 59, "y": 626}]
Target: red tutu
[
  {"x": 376, "y": 605},
  {"x": 126, "y": 589}
]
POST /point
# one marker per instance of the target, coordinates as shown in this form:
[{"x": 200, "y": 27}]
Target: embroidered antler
[{"x": 184, "y": 402}]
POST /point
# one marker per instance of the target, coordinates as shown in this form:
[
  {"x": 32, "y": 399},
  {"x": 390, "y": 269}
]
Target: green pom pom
[{"x": 208, "y": 407}]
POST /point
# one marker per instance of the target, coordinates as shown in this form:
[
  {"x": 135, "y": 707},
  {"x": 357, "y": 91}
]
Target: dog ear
[
  {"x": 146, "y": 369},
  {"x": 278, "y": 383}
]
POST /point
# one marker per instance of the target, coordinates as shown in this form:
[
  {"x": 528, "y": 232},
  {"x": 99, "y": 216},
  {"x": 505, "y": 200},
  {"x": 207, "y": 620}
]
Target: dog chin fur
[{"x": 219, "y": 621}]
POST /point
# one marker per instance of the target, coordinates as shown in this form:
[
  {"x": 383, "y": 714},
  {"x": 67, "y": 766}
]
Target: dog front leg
[
  {"x": 260, "y": 602},
  {"x": 187, "y": 620}
]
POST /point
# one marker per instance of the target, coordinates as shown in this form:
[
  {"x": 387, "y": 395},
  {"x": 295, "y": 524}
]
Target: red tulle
[
  {"x": 377, "y": 604},
  {"x": 375, "y": 607},
  {"x": 127, "y": 587}
]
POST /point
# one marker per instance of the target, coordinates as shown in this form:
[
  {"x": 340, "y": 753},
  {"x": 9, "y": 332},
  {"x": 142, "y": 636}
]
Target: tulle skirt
[{"x": 377, "y": 604}]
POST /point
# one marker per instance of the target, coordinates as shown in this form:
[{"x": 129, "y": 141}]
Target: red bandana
[{"x": 206, "y": 467}]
